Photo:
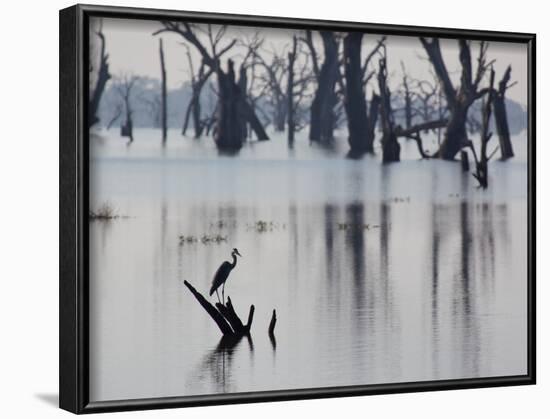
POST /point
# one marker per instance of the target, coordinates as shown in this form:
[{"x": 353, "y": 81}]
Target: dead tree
[
  {"x": 290, "y": 91},
  {"x": 458, "y": 99},
  {"x": 198, "y": 80},
  {"x": 124, "y": 87},
  {"x": 209, "y": 121},
  {"x": 413, "y": 133},
  {"x": 117, "y": 113},
  {"x": 163, "y": 91},
  {"x": 256, "y": 88},
  {"x": 272, "y": 79},
  {"x": 390, "y": 146},
  {"x": 298, "y": 81},
  {"x": 482, "y": 172},
  {"x": 425, "y": 104},
  {"x": 408, "y": 109},
  {"x": 322, "y": 119},
  {"x": 430, "y": 104},
  {"x": 225, "y": 316},
  {"x": 501, "y": 119},
  {"x": 361, "y": 120},
  {"x": 390, "y": 132},
  {"x": 103, "y": 77},
  {"x": 233, "y": 108},
  {"x": 428, "y": 100},
  {"x": 242, "y": 85},
  {"x": 427, "y": 94},
  {"x": 154, "y": 106}
]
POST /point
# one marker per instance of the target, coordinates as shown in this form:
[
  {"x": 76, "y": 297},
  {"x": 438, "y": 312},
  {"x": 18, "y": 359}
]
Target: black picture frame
[{"x": 73, "y": 208}]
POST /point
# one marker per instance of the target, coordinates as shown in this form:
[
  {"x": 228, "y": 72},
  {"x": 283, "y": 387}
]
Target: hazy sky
[{"x": 133, "y": 49}]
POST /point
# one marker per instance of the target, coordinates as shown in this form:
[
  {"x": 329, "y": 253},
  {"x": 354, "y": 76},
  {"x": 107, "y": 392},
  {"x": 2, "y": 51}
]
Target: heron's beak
[{"x": 237, "y": 253}]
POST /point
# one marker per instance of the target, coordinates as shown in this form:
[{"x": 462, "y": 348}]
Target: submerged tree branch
[{"x": 224, "y": 316}]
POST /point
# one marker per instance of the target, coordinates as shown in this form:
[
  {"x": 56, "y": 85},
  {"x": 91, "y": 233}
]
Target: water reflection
[
  {"x": 378, "y": 274},
  {"x": 218, "y": 364},
  {"x": 434, "y": 289}
]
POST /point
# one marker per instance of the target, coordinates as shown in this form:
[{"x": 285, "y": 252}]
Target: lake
[{"x": 379, "y": 273}]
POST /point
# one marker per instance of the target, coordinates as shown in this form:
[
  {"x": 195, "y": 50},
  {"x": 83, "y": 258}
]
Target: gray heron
[{"x": 222, "y": 274}]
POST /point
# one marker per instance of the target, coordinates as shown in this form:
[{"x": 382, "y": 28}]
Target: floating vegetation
[
  {"x": 105, "y": 212},
  {"x": 188, "y": 239},
  {"x": 355, "y": 226},
  {"x": 204, "y": 239},
  {"x": 265, "y": 226},
  {"x": 398, "y": 199},
  {"x": 223, "y": 224}
]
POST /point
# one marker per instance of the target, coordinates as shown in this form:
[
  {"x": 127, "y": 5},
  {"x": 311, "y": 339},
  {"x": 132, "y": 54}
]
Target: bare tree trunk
[
  {"x": 163, "y": 98},
  {"x": 501, "y": 119},
  {"x": 218, "y": 318},
  {"x": 187, "y": 117},
  {"x": 408, "y": 104},
  {"x": 459, "y": 100},
  {"x": 455, "y": 137},
  {"x": 374, "y": 111},
  {"x": 322, "y": 118},
  {"x": 482, "y": 169},
  {"x": 254, "y": 121},
  {"x": 194, "y": 107},
  {"x": 274, "y": 90},
  {"x": 247, "y": 113},
  {"x": 464, "y": 161},
  {"x": 280, "y": 115},
  {"x": 241, "y": 84},
  {"x": 194, "y": 111},
  {"x": 390, "y": 146},
  {"x": 228, "y": 135},
  {"x": 290, "y": 93},
  {"x": 361, "y": 119},
  {"x": 126, "y": 130},
  {"x": 224, "y": 316},
  {"x": 124, "y": 88},
  {"x": 117, "y": 114},
  {"x": 102, "y": 79},
  {"x": 210, "y": 122},
  {"x": 355, "y": 102},
  {"x": 234, "y": 112},
  {"x": 197, "y": 124}
]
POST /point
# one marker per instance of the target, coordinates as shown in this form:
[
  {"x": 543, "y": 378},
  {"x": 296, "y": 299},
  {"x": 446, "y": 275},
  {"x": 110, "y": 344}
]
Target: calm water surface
[{"x": 379, "y": 274}]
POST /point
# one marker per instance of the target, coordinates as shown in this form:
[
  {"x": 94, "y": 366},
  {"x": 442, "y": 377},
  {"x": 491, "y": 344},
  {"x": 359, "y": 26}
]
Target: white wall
[{"x": 29, "y": 209}]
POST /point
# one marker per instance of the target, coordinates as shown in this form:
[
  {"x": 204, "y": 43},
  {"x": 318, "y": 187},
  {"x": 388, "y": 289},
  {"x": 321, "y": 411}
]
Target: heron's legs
[
  {"x": 223, "y": 293},
  {"x": 218, "y": 295}
]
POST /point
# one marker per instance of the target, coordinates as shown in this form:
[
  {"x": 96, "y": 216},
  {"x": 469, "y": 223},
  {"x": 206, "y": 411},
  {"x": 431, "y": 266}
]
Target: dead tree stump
[
  {"x": 224, "y": 316},
  {"x": 271, "y": 329}
]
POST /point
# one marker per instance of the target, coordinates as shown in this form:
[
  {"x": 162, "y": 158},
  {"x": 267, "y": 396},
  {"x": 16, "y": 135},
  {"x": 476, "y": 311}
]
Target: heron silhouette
[{"x": 222, "y": 274}]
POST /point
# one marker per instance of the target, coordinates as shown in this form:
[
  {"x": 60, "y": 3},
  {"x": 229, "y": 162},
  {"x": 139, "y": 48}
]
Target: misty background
[{"x": 134, "y": 51}]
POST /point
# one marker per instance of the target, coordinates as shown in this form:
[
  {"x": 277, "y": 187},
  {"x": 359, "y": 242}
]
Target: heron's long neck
[{"x": 234, "y": 261}]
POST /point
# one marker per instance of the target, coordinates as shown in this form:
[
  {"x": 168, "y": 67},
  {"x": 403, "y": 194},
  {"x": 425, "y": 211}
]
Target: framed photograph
[{"x": 265, "y": 208}]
